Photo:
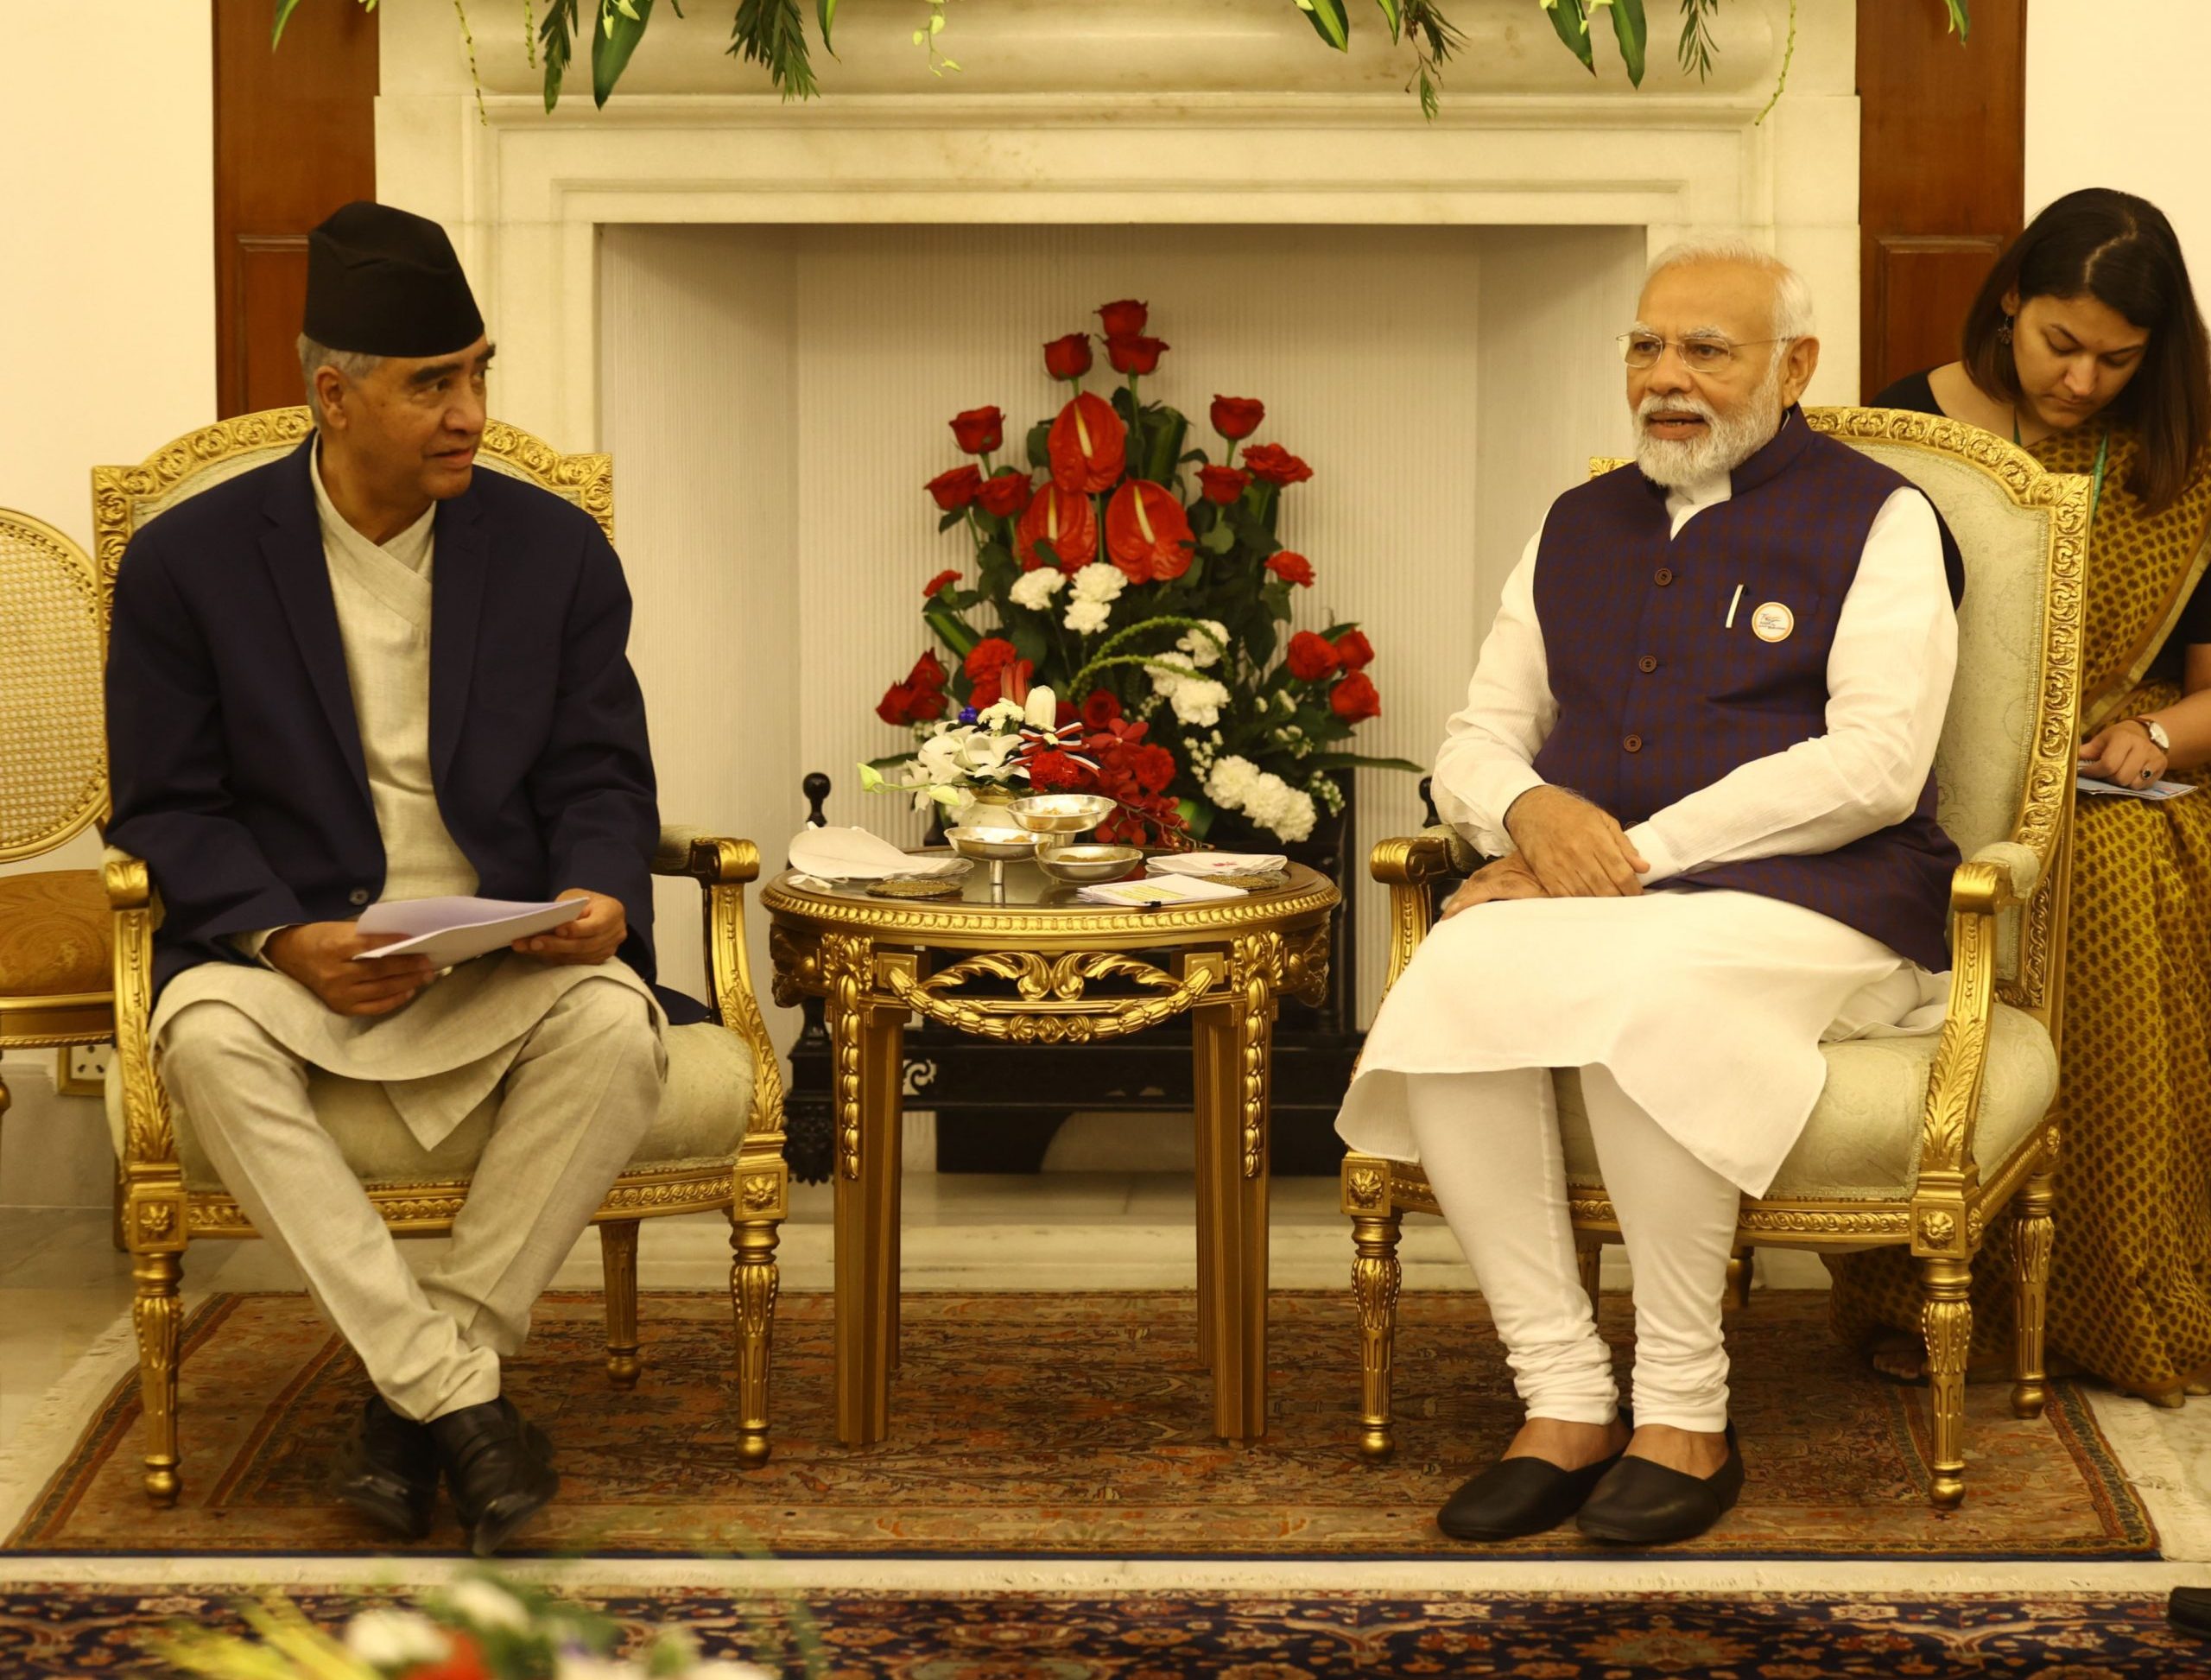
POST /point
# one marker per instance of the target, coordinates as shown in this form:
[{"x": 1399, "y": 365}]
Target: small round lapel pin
[{"x": 1772, "y": 622}]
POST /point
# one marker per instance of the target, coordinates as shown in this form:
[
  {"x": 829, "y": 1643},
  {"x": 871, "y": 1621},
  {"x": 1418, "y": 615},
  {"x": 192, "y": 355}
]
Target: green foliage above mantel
[{"x": 774, "y": 35}]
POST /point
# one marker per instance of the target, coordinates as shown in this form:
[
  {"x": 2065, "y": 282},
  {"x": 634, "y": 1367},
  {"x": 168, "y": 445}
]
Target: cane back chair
[
  {"x": 1918, "y": 1141},
  {"x": 716, "y": 1144},
  {"x": 56, "y": 989}
]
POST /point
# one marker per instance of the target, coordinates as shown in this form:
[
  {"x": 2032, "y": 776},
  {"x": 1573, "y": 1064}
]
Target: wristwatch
[{"x": 2155, "y": 731}]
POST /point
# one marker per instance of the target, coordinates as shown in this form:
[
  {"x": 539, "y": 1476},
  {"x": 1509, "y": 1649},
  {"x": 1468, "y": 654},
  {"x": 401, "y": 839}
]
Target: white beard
[{"x": 1728, "y": 440}]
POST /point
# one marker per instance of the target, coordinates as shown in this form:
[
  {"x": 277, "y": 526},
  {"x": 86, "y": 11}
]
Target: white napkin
[
  {"x": 854, "y": 854},
  {"x": 1218, "y": 862}
]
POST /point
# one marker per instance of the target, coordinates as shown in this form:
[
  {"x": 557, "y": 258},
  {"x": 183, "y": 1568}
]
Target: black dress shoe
[
  {"x": 1517, "y": 1496},
  {"x": 2189, "y": 1610},
  {"x": 1644, "y": 1504},
  {"x": 389, "y": 1472},
  {"x": 500, "y": 1470}
]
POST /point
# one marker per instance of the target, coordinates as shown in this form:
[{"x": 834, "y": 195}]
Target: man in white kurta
[{"x": 1686, "y": 957}]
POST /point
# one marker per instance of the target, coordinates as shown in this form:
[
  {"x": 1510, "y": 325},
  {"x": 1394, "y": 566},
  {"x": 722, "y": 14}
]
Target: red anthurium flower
[
  {"x": 1005, "y": 495},
  {"x": 1067, "y": 357},
  {"x": 1088, "y": 445},
  {"x": 1147, "y": 533},
  {"x": 1236, "y": 417},
  {"x": 1354, "y": 699},
  {"x": 953, "y": 490},
  {"x": 938, "y": 584},
  {"x": 1132, "y": 352},
  {"x": 1290, "y": 567},
  {"x": 1064, "y": 519},
  {"x": 1127, "y": 317},
  {"x": 1355, "y": 650},
  {"x": 1224, "y": 485},
  {"x": 980, "y": 431},
  {"x": 1100, "y": 709},
  {"x": 1275, "y": 464},
  {"x": 1312, "y": 658}
]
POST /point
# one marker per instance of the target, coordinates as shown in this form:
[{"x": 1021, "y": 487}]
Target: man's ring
[{"x": 2145, "y": 776}]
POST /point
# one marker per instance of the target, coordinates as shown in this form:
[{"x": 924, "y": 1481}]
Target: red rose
[
  {"x": 1224, "y": 485},
  {"x": 1132, "y": 352},
  {"x": 1126, "y": 318},
  {"x": 1275, "y": 464},
  {"x": 1100, "y": 709},
  {"x": 1088, "y": 445},
  {"x": 979, "y": 430},
  {"x": 1048, "y": 770},
  {"x": 1354, "y": 699},
  {"x": 1290, "y": 567},
  {"x": 1068, "y": 522},
  {"x": 1067, "y": 357},
  {"x": 953, "y": 490},
  {"x": 1005, "y": 495},
  {"x": 939, "y": 583},
  {"x": 1312, "y": 658},
  {"x": 903, "y": 703},
  {"x": 929, "y": 674},
  {"x": 1236, "y": 417},
  {"x": 1355, "y": 650},
  {"x": 1147, "y": 533}
]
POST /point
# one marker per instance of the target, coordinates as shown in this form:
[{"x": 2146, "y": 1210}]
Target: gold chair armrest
[
  {"x": 148, "y": 1135},
  {"x": 708, "y": 859},
  {"x": 722, "y": 866},
  {"x": 2020, "y": 863},
  {"x": 1410, "y": 865}
]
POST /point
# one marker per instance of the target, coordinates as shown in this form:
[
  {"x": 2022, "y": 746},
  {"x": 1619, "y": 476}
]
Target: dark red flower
[
  {"x": 1355, "y": 650},
  {"x": 903, "y": 703},
  {"x": 1005, "y": 495},
  {"x": 997, "y": 671},
  {"x": 941, "y": 582},
  {"x": 980, "y": 431},
  {"x": 1147, "y": 533},
  {"x": 988, "y": 658},
  {"x": 1067, "y": 357},
  {"x": 1312, "y": 658},
  {"x": 1064, "y": 519},
  {"x": 1132, "y": 352},
  {"x": 1224, "y": 485},
  {"x": 1290, "y": 567},
  {"x": 463, "y": 1660},
  {"x": 1154, "y": 767},
  {"x": 1236, "y": 417},
  {"x": 1100, "y": 709},
  {"x": 1049, "y": 770},
  {"x": 1275, "y": 464},
  {"x": 928, "y": 672},
  {"x": 1354, "y": 699},
  {"x": 1127, "y": 317},
  {"x": 954, "y": 489},
  {"x": 1088, "y": 445}
]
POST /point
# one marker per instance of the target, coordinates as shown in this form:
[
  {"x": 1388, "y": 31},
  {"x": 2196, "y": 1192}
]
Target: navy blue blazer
[{"x": 235, "y": 756}]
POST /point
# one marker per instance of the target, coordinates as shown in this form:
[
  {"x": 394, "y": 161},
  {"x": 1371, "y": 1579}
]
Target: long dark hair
[{"x": 2120, "y": 251}]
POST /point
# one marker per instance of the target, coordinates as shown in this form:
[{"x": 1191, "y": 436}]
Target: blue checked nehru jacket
[{"x": 1658, "y": 697}]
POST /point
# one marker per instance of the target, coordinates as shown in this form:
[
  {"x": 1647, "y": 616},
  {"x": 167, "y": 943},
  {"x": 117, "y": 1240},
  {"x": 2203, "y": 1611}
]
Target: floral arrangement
[
  {"x": 1124, "y": 629},
  {"x": 479, "y": 1628}
]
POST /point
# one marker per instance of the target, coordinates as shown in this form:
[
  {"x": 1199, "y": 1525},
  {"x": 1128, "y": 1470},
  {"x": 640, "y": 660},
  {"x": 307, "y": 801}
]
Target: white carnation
[
  {"x": 1230, "y": 781},
  {"x": 1295, "y": 820},
  {"x": 1099, "y": 581},
  {"x": 1168, "y": 671},
  {"x": 396, "y": 1639},
  {"x": 1198, "y": 701},
  {"x": 1086, "y": 617},
  {"x": 486, "y": 1605},
  {"x": 1035, "y": 590},
  {"x": 1205, "y": 650}
]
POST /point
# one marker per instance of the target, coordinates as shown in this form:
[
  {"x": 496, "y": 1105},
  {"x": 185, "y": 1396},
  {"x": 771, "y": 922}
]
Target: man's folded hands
[{"x": 1568, "y": 848}]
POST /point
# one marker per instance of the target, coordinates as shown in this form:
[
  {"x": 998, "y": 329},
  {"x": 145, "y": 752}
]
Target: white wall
[
  {"x": 107, "y": 294},
  {"x": 2115, "y": 98}
]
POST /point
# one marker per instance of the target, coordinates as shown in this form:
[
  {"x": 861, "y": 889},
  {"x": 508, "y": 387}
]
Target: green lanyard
[{"x": 2103, "y": 459}]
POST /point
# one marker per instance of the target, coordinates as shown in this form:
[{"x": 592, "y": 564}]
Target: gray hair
[
  {"x": 1792, "y": 298},
  {"x": 353, "y": 363}
]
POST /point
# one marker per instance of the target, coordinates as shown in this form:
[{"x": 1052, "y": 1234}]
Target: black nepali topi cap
[{"x": 385, "y": 282}]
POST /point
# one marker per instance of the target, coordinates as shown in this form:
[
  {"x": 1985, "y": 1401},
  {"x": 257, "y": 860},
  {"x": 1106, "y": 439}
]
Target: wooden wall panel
[
  {"x": 1942, "y": 173},
  {"x": 294, "y": 138}
]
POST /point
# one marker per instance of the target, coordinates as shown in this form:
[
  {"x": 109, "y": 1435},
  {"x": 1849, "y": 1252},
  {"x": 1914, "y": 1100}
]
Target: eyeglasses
[{"x": 1702, "y": 352}]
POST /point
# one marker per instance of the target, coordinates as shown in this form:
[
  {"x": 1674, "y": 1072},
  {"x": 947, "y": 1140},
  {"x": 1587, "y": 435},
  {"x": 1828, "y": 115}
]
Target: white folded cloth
[
  {"x": 854, "y": 854},
  {"x": 1218, "y": 862}
]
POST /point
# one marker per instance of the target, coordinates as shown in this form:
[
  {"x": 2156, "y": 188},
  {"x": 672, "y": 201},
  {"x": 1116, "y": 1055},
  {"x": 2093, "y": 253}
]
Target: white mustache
[{"x": 1654, "y": 405}]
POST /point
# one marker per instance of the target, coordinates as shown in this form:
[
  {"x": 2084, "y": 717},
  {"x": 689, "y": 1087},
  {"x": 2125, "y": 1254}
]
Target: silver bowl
[
  {"x": 998, "y": 845},
  {"x": 1083, "y": 864},
  {"x": 1063, "y": 813}
]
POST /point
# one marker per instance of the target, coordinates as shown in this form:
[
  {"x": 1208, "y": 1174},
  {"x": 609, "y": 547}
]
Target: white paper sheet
[
  {"x": 451, "y": 931},
  {"x": 2156, "y": 791}
]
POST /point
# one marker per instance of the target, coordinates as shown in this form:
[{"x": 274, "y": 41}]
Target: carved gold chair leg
[
  {"x": 1946, "y": 1319},
  {"x": 155, "y": 1313},
  {"x": 1202, "y": 1224},
  {"x": 618, "y": 1247},
  {"x": 1740, "y": 1271},
  {"x": 2033, "y": 1233},
  {"x": 754, "y": 1282},
  {"x": 1589, "y": 1261},
  {"x": 1375, "y": 1276}
]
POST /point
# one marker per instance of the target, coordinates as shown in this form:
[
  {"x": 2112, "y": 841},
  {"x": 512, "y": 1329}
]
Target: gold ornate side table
[{"x": 1040, "y": 965}]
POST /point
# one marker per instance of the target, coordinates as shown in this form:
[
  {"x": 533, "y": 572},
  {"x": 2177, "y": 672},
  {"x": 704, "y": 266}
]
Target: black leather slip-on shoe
[
  {"x": 389, "y": 1471},
  {"x": 499, "y": 1467},
  {"x": 1644, "y": 1504},
  {"x": 1518, "y": 1496}
]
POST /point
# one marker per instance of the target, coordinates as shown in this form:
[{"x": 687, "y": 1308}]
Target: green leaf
[
  {"x": 1960, "y": 20},
  {"x": 1219, "y": 540},
  {"x": 773, "y": 35},
  {"x": 826, "y": 11},
  {"x": 283, "y": 17},
  {"x": 1571, "y": 19},
  {"x": 557, "y": 37},
  {"x": 1633, "y": 35},
  {"x": 1329, "y": 21},
  {"x": 1360, "y": 761},
  {"x": 951, "y": 519},
  {"x": 1028, "y": 642},
  {"x": 611, "y": 48},
  {"x": 1040, "y": 453},
  {"x": 1166, "y": 446},
  {"x": 1396, "y": 19},
  {"x": 953, "y": 631},
  {"x": 1197, "y": 815}
]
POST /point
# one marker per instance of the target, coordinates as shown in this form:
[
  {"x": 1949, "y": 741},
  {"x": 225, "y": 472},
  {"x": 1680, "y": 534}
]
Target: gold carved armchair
[
  {"x": 716, "y": 1144},
  {"x": 1920, "y": 1141}
]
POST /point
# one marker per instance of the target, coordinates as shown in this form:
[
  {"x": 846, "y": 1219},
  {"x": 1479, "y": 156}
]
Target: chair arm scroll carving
[
  {"x": 1410, "y": 865},
  {"x": 721, "y": 866},
  {"x": 149, "y": 1136}
]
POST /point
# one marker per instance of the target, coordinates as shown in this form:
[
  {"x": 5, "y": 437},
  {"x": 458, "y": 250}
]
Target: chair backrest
[
  {"x": 52, "y": 741},
  {"x": 2005, "y": 766},
  {"x": 125, "y": 500}
]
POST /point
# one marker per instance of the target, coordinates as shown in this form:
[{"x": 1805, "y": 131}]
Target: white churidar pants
[
  {"x": 1490, "y": 1145},
  {"x": 573, "y": 1107}
]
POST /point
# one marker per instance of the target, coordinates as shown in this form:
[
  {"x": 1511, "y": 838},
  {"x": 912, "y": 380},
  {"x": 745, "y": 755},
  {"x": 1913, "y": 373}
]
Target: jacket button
[
  {"x": 358, "y": 895},
  {"x": 1663, "y": 576},
  {"x": 1646, "y": 664},
  {"x": 1633, "y": 743}
]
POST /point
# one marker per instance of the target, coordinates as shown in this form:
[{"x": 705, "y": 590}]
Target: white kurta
[
  {"x": 1707, "y": 1007},
  {"x": 446, "y": 1051}
]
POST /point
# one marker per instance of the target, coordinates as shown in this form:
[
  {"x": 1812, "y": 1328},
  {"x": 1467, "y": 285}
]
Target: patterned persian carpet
[
  {"x": 1065, "y": 1425},
  {"x": 81, "y": 1630}
]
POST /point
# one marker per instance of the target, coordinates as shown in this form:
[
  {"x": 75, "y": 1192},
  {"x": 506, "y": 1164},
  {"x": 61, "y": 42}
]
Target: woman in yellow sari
[{"x": 2087, "y": 347}]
